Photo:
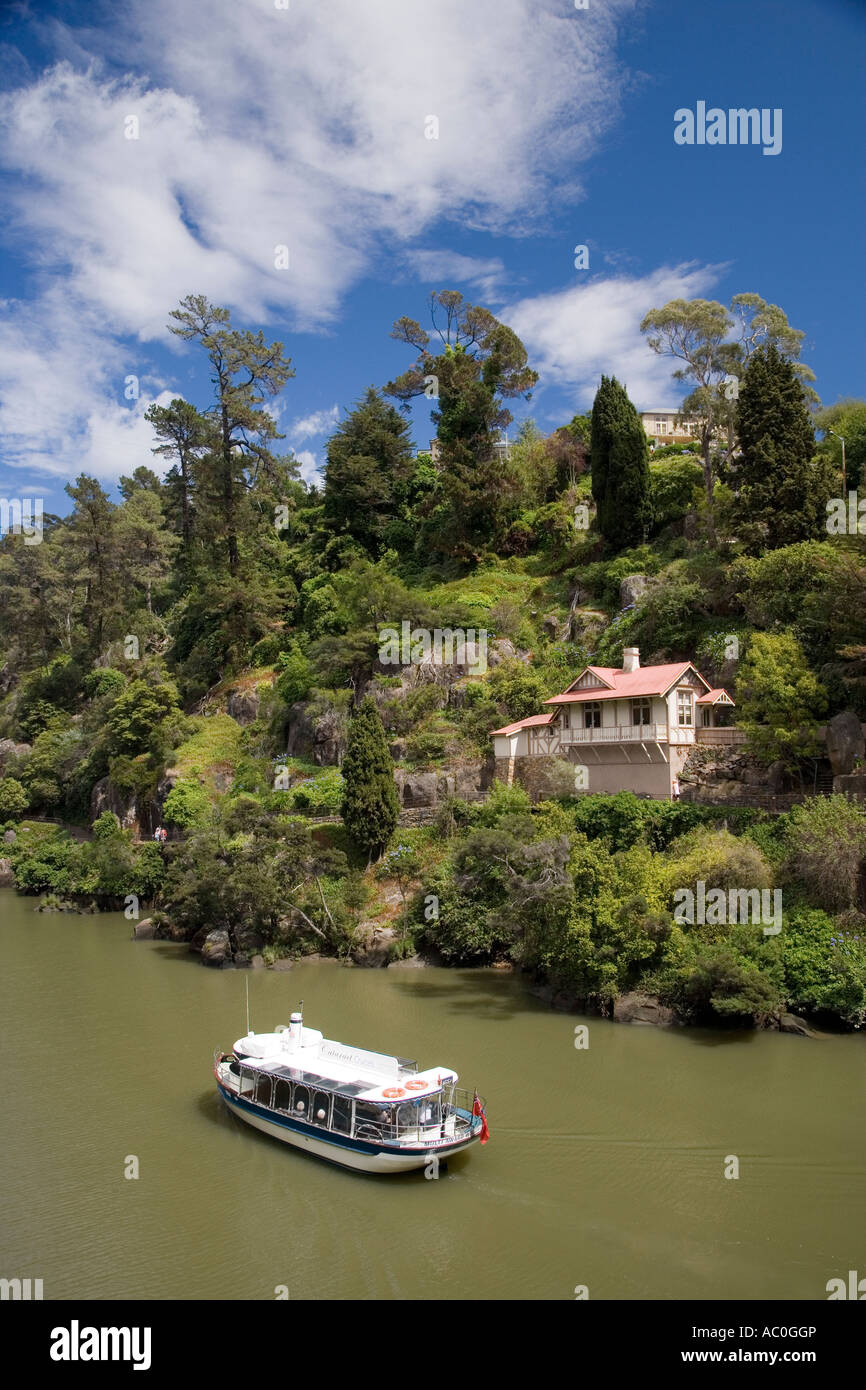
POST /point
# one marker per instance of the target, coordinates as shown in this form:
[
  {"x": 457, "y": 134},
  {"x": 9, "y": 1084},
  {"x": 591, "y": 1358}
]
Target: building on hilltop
[
  {"x": 631, "y": 729},
  {"x": 667, "y": 425}
]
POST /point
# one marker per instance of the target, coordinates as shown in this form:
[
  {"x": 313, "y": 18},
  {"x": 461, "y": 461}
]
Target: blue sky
[{"x": 306, "y": 127}]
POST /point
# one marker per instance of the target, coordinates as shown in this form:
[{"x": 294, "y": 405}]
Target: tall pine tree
[
  {"x": 369, "y": 461},
  {"x": 782, "y": 488},
  {"x": 370, "y": 805}
]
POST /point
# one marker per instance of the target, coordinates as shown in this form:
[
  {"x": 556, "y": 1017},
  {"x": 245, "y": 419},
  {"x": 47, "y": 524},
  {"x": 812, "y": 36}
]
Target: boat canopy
[{"x": 306, "y": 1057}]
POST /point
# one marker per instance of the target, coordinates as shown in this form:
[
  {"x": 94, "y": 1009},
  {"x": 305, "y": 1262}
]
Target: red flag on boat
[{"x": 477, "y": 1110}]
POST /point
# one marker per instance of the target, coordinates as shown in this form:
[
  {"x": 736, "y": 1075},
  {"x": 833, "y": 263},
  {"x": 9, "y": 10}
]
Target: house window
[
  {"x": 661, "y": 426},
  {"x": 706, "y": 717},
  {"x": 684, "y": 709},
  {"x": 641, "y": 712},
  {"x": 592, "y": 715}
]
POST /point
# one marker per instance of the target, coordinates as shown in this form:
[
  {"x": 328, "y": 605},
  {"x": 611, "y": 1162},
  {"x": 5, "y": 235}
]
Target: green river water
[{"x": 605, "y": 1166}]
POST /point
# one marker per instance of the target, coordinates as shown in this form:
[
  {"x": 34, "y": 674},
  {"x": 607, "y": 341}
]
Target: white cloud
[
  {"x": 320, "y": 422},
  {"x": 576, "y": 334},
  {"x": 310, "y": 466},
  {"x": 301, "y": 127},
  {"x": 450, "y": 267},
  {"x": 63, "y": 409}
]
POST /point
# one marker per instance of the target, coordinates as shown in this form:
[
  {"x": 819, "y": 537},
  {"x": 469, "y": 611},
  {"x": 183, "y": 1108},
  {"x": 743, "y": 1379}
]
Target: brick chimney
[{"x": 631, "y": 658}]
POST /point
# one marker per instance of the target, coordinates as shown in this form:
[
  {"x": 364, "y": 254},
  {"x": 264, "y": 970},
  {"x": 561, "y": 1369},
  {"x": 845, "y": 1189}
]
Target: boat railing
[
  {"x": 462, "y": 1100},
  {"x": 453, "y": 1114}
]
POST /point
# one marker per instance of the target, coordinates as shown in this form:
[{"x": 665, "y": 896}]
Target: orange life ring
[
  {"x": 417, "y": 1085},
  {"x": 394, "y": 1092}
]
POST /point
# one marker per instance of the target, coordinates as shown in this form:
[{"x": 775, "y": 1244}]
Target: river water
[{"x": 605, "y": 1168}]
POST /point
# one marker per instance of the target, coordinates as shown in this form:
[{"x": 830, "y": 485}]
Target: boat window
[
  {"x": 264, "y": 1085},
  {"x": 301, "y": 1105},
  {"x": 282, "y": 1095},
  {"x": 342, "y": 1117},
  {"x": 321, "y": 1109},
  {"x": 431, "y": 1110},
  {"x": 407, "y": 1115},
  {"x": 372, "y": 1121},
  {"x": 247, "y": 1081}
]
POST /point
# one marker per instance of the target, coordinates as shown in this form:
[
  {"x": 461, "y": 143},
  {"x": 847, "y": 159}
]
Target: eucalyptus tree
[
  {"x": 714, "y": 345},
  {"x": 468, "y": 364}
]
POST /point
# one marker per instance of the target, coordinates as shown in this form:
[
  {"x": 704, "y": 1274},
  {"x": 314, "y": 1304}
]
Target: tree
[
  {"x": 92, "y": 536},
  {"x": 369, "y": 463},
  {"x": 620, "y": 466},
  {"x": 697, "y": 332},
  {"x": 134, "y": 722},
  {"x": 246, "y": 371},
  {"x": 780, "y": 699},
  {"x": 147, "y": 546},
  {"x": 183, "y": 434},
  {"x": 370, "y": 806},
  {"x": 629, "y": 509},
  {"x": 848, "y": 419},
  {"x": 480, "y": 361},
  {"x": 781, "y": 492},
  {"x": 608, "y": 411}
]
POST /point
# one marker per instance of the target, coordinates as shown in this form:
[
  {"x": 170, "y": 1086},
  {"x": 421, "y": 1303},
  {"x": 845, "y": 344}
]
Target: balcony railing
[
  {"x": 721, "y": 737},
  {"x": 628, "y": 733},
  {"x": 617, "y": 733}
]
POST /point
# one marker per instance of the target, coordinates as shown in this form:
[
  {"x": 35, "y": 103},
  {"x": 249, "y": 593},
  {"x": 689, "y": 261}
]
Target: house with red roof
[{"x": 626, "y": 730}]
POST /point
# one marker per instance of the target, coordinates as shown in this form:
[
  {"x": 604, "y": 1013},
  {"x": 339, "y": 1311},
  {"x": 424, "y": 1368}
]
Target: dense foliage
[{"x": 204, "y": 650}]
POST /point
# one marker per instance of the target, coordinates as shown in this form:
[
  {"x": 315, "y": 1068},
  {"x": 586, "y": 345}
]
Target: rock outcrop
[
  {"x": 637, "y": 1007},
  {"x": 373, "y": 948},
  {"x": 845, "y": 742},
  {"x": 469, "y": 781},
  {"x": 216, "y": 948},
  {"x": 106, "y": 797},
  {"x": 10, "y": 752},
  {"x": 243, "y": 705},
  {"x": 728, "y": 775},
  {"x": 632, "y": 588},
  {"x": 319, "y": 738}
]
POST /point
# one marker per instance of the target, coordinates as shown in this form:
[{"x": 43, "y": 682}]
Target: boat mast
[{"x": 247, "y": 983}]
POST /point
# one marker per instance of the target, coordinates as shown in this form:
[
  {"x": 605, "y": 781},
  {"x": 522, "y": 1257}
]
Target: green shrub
[
  {"x": 13, "y": 799},
  {"x": 825, "y": 964},
  {"x": 825, "y": 839},
  {"x": 186, "y": 805},
  {"x": 426, "y": 747},
  {"x": 105, "y": 680}
]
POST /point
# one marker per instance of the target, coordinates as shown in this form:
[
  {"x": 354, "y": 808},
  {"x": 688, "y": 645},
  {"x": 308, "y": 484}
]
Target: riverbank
[{"x": 634, "y": 910}]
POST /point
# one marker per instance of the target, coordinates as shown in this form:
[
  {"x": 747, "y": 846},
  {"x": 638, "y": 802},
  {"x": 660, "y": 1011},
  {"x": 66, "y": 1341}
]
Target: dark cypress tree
[
  {"x": 628, "y": 512},
  {"x": 602, "y": 425},
  {"x": 781, "y": 488},
  {"x": 620, "y": 466},
  {"x": 370, "y": 805}
]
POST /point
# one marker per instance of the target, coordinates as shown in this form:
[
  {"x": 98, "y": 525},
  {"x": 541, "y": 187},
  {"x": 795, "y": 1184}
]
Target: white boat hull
[{"x": 344, "y": 1152}]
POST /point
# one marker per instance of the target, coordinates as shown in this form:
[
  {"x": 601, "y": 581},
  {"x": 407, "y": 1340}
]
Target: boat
[{"x": 362, "y": 1110}]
